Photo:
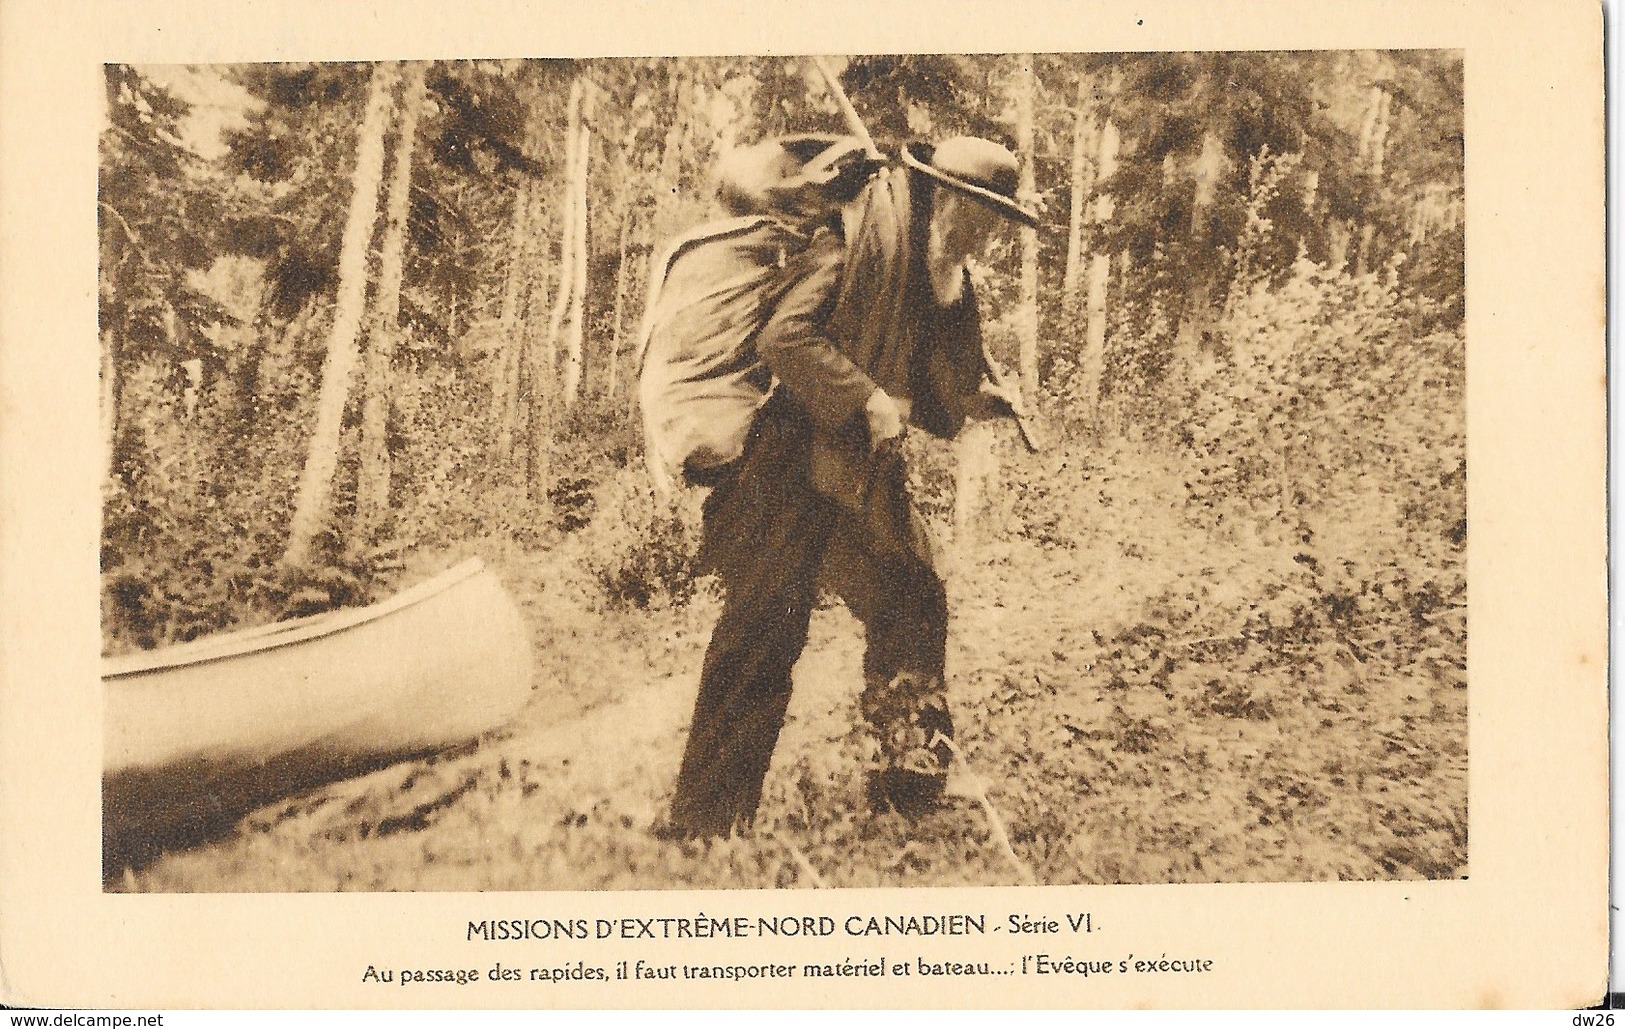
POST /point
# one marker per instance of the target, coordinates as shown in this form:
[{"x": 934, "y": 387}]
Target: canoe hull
[{"x": 199, "y": 735}]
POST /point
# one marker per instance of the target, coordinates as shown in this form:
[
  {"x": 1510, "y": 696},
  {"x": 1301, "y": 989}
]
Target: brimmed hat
[{"x": 979, "y": 168}]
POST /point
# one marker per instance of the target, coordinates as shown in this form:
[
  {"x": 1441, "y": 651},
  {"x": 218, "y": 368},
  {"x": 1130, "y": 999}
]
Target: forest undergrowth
[
  {"x": 1158, "y": 672},
  {"x": 361, "y": 321}
]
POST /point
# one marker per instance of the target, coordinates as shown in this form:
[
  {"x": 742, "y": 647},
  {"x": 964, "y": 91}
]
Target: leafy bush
[
  {"x": 642, "y": 550},
  {"x": 446, "y": 482},
  {"x": 191, "y": 543}
]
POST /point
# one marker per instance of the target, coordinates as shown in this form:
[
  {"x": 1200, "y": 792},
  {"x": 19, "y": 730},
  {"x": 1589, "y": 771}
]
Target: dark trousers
[{"x": 768, "y": 533}]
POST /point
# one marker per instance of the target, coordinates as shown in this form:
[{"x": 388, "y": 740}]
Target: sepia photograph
[
  {"x": 871, "y": 505},
  {"x": 783, "y": 472}
]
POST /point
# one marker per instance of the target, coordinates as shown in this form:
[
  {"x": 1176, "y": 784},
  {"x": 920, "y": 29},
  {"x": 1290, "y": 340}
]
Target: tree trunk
[
  {"x": 1082, "y": 184},
  {"x": 314, "y": 493},
  {"x": 1363, "y": 257},
  {"x": 976, "y": 462},
  {"x": 576, "y": 266},
  {"x": 615, "y": 341},
  {"x": 1374, "y": 131},
  {"x": 1209, "y": 167},
  {"x": 1337, "y": 246},
  {"x": 668, "y": 179},
  {"x": 505, "y": 386},
  {"x": 544, "y": 390},
  {"x": 519, "y": 302},
  {"x": 110, "y": 388},
  {"x": 453, "y": 327},
  {"x": 1373, "y": 149},
  {"x": 372, "y": 487},
  {"x": 1197, "y": 316},
  {"x": 1092, "y": 359},
  {"x": 1026, "y": 87}
]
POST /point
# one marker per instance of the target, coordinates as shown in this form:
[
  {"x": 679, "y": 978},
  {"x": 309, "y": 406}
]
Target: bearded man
[{"x": 877, "y": 329}]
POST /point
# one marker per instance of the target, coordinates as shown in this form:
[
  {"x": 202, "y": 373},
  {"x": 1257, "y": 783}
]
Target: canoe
[{"x": 196, "y": 735}]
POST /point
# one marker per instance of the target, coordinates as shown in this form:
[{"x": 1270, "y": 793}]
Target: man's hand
[{"x": 886, "y": 417}]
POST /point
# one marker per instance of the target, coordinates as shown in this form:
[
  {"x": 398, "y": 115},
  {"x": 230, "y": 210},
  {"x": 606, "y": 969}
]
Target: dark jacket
[{"x": 858, "y": 313}]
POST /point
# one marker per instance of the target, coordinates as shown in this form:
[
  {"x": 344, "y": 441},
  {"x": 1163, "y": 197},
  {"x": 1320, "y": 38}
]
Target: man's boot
[{"x": 907, "y": 713}]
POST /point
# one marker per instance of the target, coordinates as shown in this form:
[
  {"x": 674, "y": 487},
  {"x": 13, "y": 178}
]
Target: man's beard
[{"x": 947, "y": 277}]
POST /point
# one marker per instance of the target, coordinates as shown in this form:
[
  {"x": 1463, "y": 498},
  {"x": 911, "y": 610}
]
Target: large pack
[{"x": 700, "y": 379}]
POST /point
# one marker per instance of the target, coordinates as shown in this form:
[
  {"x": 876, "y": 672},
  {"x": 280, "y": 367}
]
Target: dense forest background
[{"x": 357, "y": 320}]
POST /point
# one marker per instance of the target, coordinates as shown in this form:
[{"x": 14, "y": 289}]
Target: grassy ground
[{"x": 1145, "y": 690}]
